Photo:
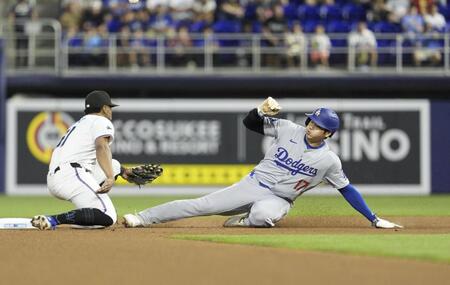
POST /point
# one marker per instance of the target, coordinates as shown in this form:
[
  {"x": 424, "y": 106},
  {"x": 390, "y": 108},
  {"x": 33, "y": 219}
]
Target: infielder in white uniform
[
  {"x": 80, "y": 163},
  {"x": 298, "y": 160}
]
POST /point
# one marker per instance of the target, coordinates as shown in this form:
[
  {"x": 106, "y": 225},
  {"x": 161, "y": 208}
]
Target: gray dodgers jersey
[{"x": 290, "y": 166}]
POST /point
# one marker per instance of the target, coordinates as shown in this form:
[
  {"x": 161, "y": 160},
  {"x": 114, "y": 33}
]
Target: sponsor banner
[{"x": 383, "y": 145}]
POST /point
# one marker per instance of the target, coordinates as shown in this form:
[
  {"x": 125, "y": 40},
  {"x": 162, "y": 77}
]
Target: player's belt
[
  {"x": 73, "y": 164},
  {"x": 260, "y": 183}
]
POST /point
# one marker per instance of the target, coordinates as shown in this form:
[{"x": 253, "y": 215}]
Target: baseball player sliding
[
  {"x": 82, "y": 170},
  {"x": 298, "y": 160}
]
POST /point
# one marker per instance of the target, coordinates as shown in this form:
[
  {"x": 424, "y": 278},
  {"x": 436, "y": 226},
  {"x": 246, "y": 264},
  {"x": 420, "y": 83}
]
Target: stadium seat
[
  {"x": 337, "y": 27},
  {"x": 330, "y": 13},
  {"x": 353, "y": 13},
  {"x": 227, "y": 26},
  {"x": 308, "y": 13},
  {"x": 290, "y": 11}
]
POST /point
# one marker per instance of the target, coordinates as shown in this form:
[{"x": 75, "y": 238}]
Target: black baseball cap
[{"x": 98, "y": 99}]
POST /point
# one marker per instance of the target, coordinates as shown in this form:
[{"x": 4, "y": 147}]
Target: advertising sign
[{"x": 203, "y": 145}]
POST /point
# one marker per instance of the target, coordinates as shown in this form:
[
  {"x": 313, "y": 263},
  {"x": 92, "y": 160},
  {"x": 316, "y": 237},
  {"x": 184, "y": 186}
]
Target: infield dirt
[{"x": 149, "y": 256}]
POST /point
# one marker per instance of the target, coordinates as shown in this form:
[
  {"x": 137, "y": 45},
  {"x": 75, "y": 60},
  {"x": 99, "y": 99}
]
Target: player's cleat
[
  {"x": 43, "y": 222},
  {"x": 132, "y": 221},
  {"x": 236, "y": 221}
]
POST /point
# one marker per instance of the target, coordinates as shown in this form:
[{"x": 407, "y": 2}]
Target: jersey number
[
  {"x": 301, "y": 184},
  {"x": 65, "y": 137}
]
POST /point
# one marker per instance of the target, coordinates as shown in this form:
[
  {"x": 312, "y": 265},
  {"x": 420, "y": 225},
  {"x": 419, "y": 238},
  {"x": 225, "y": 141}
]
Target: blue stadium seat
[
  {"x": 290, "y": 11},
  {"x": 309, "y": 26},
  {"x": 445, "y": 11},
  {"x": 337, "y": 27},
  {"x": 227, "y": 26},
  {"x": 353, "y": 13},
  {"x": 197, "y": 27},
  {"x": 250, "y": 11},
  {"x": 330, "y": 13},
  {"x": 308, "y": 13},
  {"x": 385, "y": 27}
]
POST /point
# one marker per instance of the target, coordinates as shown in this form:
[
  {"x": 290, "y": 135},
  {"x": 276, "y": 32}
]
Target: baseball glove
[
  {"x": 142, "y": 174},
  {"x": 269, "y": 107}
]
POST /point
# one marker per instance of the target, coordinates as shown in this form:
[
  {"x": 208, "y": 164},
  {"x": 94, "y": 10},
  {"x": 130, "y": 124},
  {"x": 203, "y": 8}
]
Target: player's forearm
[
  {"x": 253, "y": 121},
  {"x": 104, "y": 158},
  {"x": 355, "y": 199}
]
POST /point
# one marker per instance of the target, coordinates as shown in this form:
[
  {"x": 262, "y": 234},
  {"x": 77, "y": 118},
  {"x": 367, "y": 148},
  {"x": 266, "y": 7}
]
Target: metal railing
[{"x": 43, "y": 47}]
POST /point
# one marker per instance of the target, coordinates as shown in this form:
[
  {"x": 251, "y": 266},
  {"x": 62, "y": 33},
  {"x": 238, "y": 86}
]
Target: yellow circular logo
[{"x": 44, "y": 132}]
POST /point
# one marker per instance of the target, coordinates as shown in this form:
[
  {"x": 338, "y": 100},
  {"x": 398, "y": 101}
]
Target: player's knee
[{"x": 260, "y": 216}]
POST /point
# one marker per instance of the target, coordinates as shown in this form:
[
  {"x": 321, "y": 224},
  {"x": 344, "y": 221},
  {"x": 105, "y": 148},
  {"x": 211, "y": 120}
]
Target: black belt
[{"x": 73, "y": 164}]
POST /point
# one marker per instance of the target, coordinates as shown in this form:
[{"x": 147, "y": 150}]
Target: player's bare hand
[
  {"x": 106, "y": 186},
  {"x": 269, "y": 107},
  {"x": 385, "y": 224}
]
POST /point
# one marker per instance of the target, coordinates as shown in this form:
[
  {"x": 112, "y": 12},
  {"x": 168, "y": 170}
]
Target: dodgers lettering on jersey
[
  {"x": 78, "y": 144},
  {"x": 291, "y": 166}
]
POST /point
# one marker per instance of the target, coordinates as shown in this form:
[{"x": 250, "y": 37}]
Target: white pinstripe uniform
[
  {"x": 290, "y": 167},
  {"x": 73, "y": 173}
]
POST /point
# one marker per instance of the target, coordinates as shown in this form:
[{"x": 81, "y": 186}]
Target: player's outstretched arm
[
  {"x": 355, "y": 199},
  {"x": 253, "y": 121}
]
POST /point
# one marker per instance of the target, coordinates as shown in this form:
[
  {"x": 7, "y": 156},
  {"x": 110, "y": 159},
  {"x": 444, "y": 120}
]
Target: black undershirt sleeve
[{"x": 253, "y": 121}]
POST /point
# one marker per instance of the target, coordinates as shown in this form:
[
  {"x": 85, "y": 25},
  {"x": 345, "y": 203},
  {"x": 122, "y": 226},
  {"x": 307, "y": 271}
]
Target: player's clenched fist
[{"x": 269, "y": 107}]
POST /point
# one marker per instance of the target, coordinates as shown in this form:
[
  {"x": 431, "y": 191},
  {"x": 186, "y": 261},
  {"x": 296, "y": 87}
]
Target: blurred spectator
[
  {"x": 140, "y": 49},
  {"x": 413, "y": 24},
  {"x": 244, "y": 51},
  {"x": 71, "y": 16},
  {"x": 398, "y": 8},
  {"x": 162, "y": 21},
  {"x": 75, "y": 43},
  {"x": 429, "y": 48},
  {"x": 209, "y": 42},
  {"x": 152, "y": 4},
  {"x": 230, "y": 10},
  {"x": 181, "y": 11},
  {"x": 273, "y": 30},
  {"x": 423, "y": 6},
  {"x": 365, "y": 45},
  {"x": 435, "y": 20},
  {"x": 94, "y": 14},
  {"x": 95, "y": 42},
  {"x": 204, "y": 9},
  {"x": 181, "y": 44},
  {"x": 378, "y": 11},
  {"x": 295, "y": 45},
  {"x": 19, "y": 14},
  {"x": 123, "y": 47},
  {"x": 320, "y": 47}
]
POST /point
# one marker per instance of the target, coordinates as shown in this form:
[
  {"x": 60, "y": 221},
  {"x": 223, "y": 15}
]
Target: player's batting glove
[
  {"x": 385, "y": 224},
  {"x": 269, "y": 107},
  {"x": 142, "y": 174}
]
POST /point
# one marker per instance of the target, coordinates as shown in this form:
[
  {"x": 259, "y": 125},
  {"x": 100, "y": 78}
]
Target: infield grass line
[{"x": 427, "y": 247}]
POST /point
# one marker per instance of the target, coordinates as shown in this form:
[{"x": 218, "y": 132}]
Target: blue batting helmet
[{"x": 325, "y": 118}]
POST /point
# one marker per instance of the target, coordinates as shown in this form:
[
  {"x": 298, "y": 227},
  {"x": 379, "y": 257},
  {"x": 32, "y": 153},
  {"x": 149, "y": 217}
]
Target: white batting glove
[
  {"x": 269, "y": 107},
  {"x": 385, "y": 224}
]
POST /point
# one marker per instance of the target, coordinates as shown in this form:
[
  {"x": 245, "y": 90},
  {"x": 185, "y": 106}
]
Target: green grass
[
  {"x": 305, "y": 206},
  {"x": 432, "y": 247},
  {"x": 438, "y": 205}
]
